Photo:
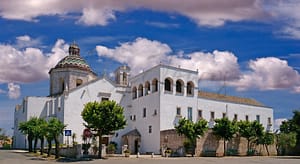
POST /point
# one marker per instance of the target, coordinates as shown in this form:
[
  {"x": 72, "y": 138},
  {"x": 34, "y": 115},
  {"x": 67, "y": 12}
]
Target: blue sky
[{"x": 251, "y": 46}]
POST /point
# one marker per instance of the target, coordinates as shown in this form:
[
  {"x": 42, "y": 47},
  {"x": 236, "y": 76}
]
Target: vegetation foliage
[
  {"x": 103, "y": 118},
  {"x": 225, "y": 129},
  {"x": 191, "y": 130}
]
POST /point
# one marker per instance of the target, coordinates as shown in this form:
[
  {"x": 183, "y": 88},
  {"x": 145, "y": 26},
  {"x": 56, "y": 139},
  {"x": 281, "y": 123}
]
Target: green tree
[
  {"x": 225, "y": 129},
  {"x": 293, "y": 126},
  {"x": 34, "y": 122},
  {"x": 285, "y": 141},
  {"x": 103, "y": 118},
  {"x": 191, "y": 130},
  {"x": 42, "y": 131},
  {"x": 266, "y": 139},
  {"x": 28, "y": 128},
  {"x": 250, "y": 131},
  {"x": 54, "y": 129}
]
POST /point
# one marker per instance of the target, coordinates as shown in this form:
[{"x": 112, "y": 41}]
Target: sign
[
  {"x": 68, "y": 132},
  {"x": 87, "y": 133}
]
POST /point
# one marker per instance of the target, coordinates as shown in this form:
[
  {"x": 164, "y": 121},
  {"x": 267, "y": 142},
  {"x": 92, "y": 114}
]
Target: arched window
[
  {"x": 134, "y": 92},
  {"x": 147, "y": 88},
  {"x": 78, "y": 82},
  {"x": 154, "y": 85},
  {"x": 140, "y": 90},
  {"x": 190, "y": 88},
  {"x": 168, "y": 84},
  {"x": 179, "y": 86}
]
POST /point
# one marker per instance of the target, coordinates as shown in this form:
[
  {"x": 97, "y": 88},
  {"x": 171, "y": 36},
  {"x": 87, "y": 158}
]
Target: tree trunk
[
  {"x": 29, "y": 143},
  {"x": 248, "y": 146},
  {"x": 56, "y": 148},
  {"x": 42, "y": 145},
  {"x": 100, "y": 145},
  {"x": 224, "y": 147},
  {"x": 35, "y": 144},
  {"x": 267, "y": 149},
  {"x": 49, "y": 147},
  {"x": 194, "y": 142}
]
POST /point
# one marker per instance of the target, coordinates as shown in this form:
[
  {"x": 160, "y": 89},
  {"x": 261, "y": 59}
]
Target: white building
[{"x": 153, "y": 102}]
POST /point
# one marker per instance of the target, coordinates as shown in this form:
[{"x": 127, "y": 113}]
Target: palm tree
[
  {"x": 42, "y": 132},
  {"x": 55, "y": 128},
  {"x": 27, "y": 129}
]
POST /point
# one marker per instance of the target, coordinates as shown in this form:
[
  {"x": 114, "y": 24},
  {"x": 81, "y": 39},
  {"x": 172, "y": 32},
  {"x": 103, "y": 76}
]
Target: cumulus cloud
[
  {"x": 218, "y": 65},
  {"x": 14, "y": 91},
  {"x": 139, "y": 55},
  {"x": 268, "y": 74},
  {"x": 204, "y": 12},
  {"x": 143, "y": 53},
  {"x": 30, "y": 64}
]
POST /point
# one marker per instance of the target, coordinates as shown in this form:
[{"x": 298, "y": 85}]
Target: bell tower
[{"x": 122, "y": 75}]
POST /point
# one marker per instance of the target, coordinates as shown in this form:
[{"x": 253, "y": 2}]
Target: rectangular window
[
  {"x": 132, "y": 117},
  {"x": 223, "y": 115},
  {"x": 155, "y": 112},
  {"x": 150, "y": 129},
  {"x": 178, "y": 111},
  {"x": 235, "y": 118},
  {"x": 104, "y": 99},
  {"x": 212, "y": 116},
  {"x": 269, "y": 121},
  {"x": 144, "y": 112},
  {"x": 190, "y": 113},
  {"x": 247, "y": 118},
  {"x": 199, "y": 114},
  {"x": 258, "y": 118}
]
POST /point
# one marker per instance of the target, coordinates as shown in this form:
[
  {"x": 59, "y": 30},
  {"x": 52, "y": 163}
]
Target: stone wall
[
  {"x": 170, "y": 139},
  {"x": 210, "y": 145}
]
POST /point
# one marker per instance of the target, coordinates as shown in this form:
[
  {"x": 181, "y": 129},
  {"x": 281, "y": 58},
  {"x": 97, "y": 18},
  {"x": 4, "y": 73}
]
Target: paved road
[{"x": 20, "y": 157}]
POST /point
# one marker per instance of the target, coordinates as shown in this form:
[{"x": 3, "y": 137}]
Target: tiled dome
[{"x": 73, "y": 60}]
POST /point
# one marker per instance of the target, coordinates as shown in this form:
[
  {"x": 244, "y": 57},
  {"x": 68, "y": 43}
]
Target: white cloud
[
  {"x": 268, "y": 74},
  {"x": 287, "y": 12},
  {"x": 92, "y": 16},
  {"x": 26, "y": 41},
  {"x": 143, "y": 54},
  {"x": 218, "y": 65},
  {"x": 139, "y": 55},
  {"x": 14, "y": 91},
  {"x": 204, "y": 12},
  {"x": 30, "y": 64}
]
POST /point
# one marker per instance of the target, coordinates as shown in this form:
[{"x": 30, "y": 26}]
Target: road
[{"x": 21, "y": 157}]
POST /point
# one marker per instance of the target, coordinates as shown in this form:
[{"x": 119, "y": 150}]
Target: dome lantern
[{"x": 74, "y": 49}]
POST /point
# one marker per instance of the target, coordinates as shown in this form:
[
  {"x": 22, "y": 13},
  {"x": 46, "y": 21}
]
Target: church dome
[{"x": 73, "y": 60}]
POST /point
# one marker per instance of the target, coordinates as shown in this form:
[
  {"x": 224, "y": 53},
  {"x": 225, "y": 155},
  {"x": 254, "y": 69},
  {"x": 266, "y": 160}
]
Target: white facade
[
  {"x": 153, "y": 101},
  {"x": 162, "y": 109}
]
